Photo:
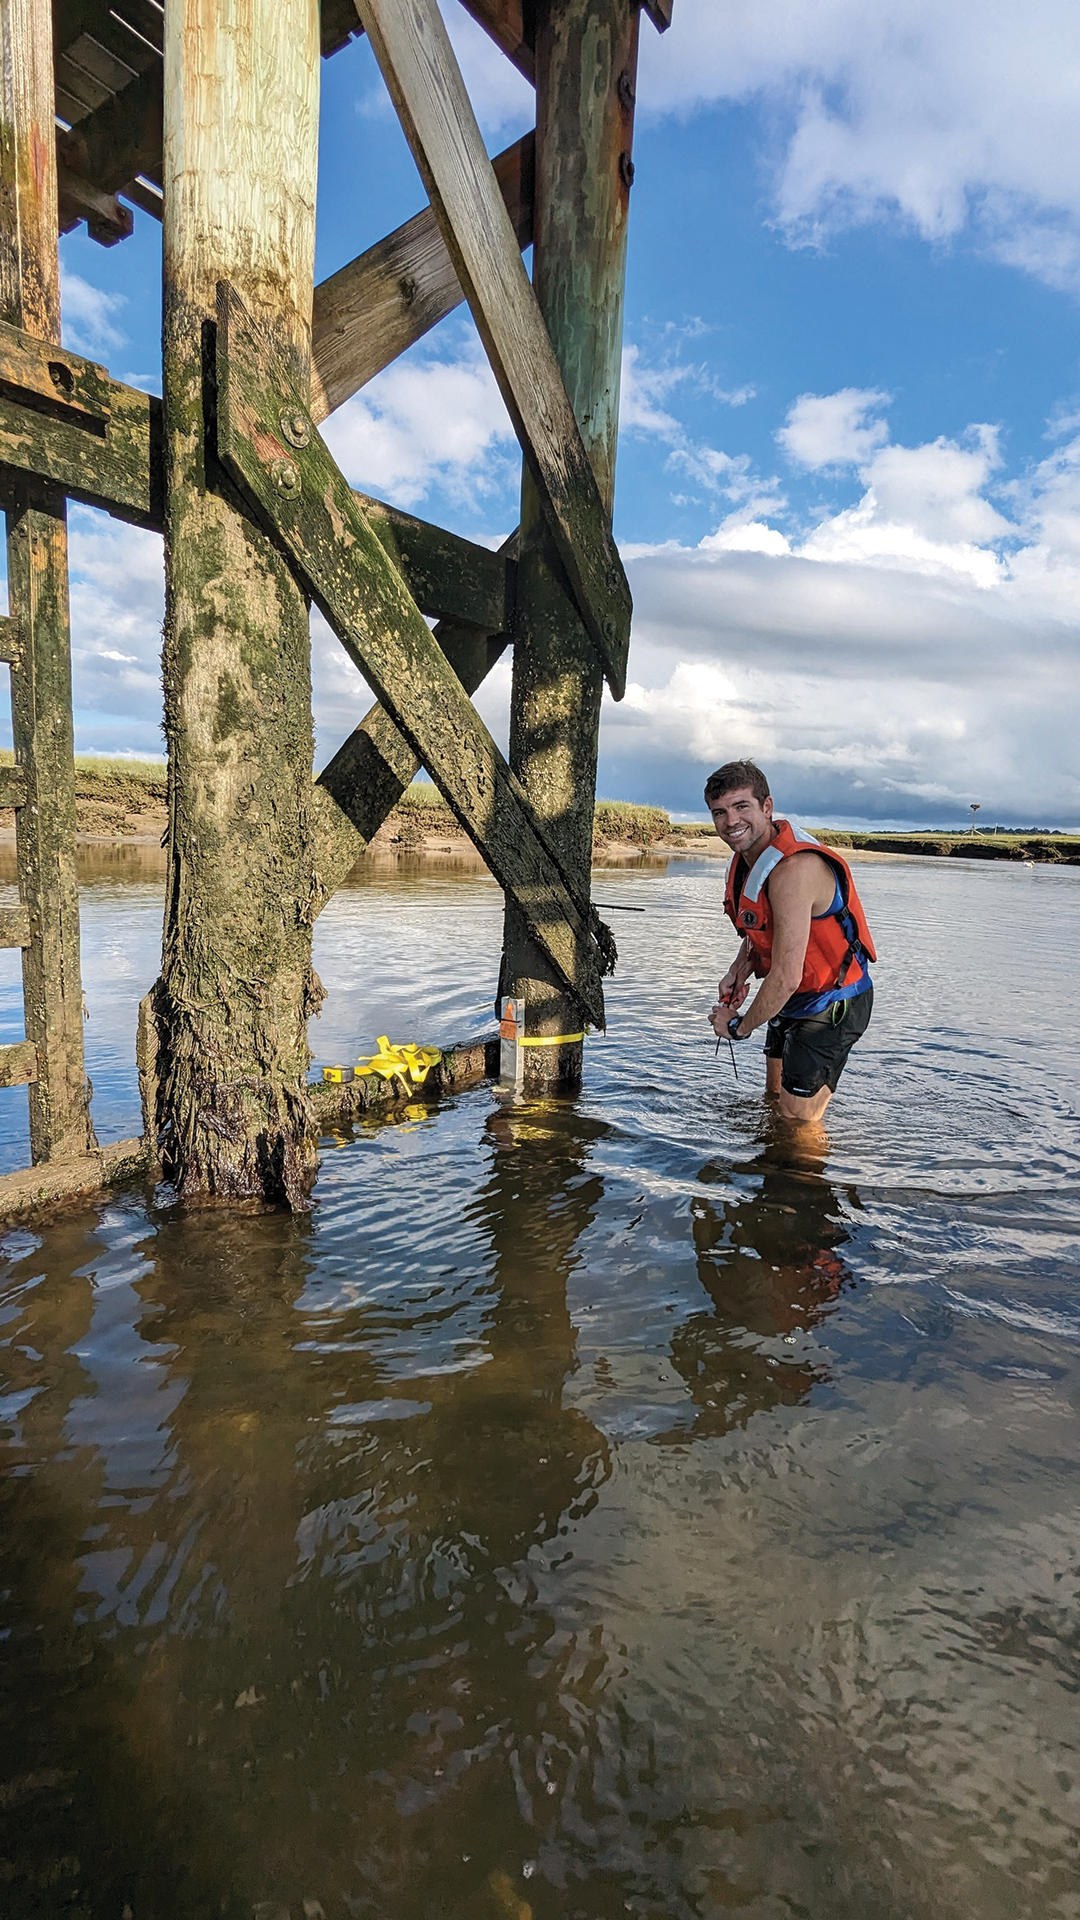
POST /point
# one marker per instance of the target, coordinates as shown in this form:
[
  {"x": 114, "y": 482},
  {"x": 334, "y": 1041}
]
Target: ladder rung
[
  {"x": 18, "y": 1064},
  {"x": 12, "y": 787},
  {"x": 14, "y": 927}
]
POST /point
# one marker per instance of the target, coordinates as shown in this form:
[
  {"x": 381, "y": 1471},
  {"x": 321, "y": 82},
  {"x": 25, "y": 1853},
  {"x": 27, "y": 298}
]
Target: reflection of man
[
  {"x": 770, "y": 1257},
  {"x": 804, "y": 935}
]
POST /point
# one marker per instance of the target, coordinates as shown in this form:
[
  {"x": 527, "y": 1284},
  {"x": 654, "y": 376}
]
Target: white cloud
[
  {"x": 834, "y": 429},
  {"x": 426, "y": 420},
  {"x": 902, "y": 657},
  {"x": 939, "y": 111},
  {"x": 897, "y": 659},
  {"x": 89, "y": 316}
]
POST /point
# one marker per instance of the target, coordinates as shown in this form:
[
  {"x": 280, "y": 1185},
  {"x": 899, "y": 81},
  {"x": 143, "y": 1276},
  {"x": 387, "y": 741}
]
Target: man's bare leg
[
  {"x": 773, "y": 1070},
  {"x": 804, "y": 1110}
]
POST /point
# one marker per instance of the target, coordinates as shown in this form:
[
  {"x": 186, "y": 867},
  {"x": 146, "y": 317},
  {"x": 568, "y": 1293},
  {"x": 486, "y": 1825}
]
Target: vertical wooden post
[
  {"x": 237, "y": 988},
  {"x": 586, "y": 64},
  {"x": 38, "y": 597}
]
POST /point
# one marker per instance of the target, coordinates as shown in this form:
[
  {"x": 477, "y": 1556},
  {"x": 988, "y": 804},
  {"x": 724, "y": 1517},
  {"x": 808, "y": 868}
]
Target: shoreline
[{"x": 606, "y": 853}]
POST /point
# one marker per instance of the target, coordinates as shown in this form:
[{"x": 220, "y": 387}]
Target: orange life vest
[{"x": 840, "y": 942}]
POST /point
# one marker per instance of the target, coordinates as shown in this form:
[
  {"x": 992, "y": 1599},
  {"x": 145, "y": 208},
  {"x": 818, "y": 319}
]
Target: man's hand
[{"x": 725, "y": 1010}]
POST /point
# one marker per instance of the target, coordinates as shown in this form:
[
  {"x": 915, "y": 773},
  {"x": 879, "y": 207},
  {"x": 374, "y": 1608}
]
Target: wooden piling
[
  {"x": 39, "y": 655},
  {"x": 230, "y": 1011},
  {"x": 586, "y": 62}
]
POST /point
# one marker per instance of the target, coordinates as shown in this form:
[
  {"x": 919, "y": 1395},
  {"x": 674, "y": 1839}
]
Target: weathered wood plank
[
  {"x": 117, "y": 466},
  {"x": 121, "y": 138},
  {"x": 414, "y": 52},
  {"x": 586, "y": 54},
  {"x": 449, "y": 578},
  {"x": 370, "y": 311},
  {"x": 659, "y": 12},
  {"x": 9, "y": 640},
  {"x": 18, "y": 1064},
  {"x": 301, "y": 494},
  {"x": 40, "y": 371},
  {"x": 14, "y": 927},
  {"x": 38, "y": 600},
  {"x": 12, "y": 787},
  {"x": 107, "y": 220}
]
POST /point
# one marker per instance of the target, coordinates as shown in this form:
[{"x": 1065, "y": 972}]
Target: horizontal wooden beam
[
  {"x": 370, "y": 311},
  {"x": 14, "y": 927},
  {"x": 284, "y": 467},
  {"x": 9, "y": 640},
  {"x": 111, "y": 461},
  {"x": 12, "y": 787},
  {"x": 449, "y": 578},
  {"x": 418, "y": 64},
  {"x": 18, "y": 1064},
  {"x": 107, "y": 219},
  {"x": 659, "y": 12},
  {"x": 36, "y": 372}
]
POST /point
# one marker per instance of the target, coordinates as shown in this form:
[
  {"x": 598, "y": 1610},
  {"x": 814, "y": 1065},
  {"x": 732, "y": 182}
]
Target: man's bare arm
[{"x": 795, "y": 887}]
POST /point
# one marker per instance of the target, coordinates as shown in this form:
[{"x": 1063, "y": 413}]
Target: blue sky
[{"x": 849, "y": 475}]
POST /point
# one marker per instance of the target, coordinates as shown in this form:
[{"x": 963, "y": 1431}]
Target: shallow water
[{"x": 591, "y": 1509}]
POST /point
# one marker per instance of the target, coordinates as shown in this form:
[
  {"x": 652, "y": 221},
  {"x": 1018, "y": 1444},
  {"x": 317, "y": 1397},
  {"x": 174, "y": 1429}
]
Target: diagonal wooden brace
[
  {"x": 418, "y": 64},
  {"x": 268, "y": 443}
]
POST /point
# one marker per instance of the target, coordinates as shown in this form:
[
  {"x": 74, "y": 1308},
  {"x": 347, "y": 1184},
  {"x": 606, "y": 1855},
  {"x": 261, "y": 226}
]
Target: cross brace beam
[
  {"x": 64, "y": 420},
  {"x": 267, "y": 443},
  {"x": 418, "y": 64}
]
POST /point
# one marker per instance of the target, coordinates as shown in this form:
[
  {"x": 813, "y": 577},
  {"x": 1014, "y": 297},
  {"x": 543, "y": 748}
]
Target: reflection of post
[
  {"x": 94, "y": 1796},
  {"x": 307, "y": 1618},
  {"x": 771, "y": 1265}
]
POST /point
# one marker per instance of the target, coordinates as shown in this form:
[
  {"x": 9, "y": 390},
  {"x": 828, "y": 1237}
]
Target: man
[{"x": 804, "y": 935}]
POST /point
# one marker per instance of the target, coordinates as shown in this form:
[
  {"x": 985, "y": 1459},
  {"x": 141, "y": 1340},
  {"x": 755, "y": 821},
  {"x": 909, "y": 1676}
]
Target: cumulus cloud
[
  {"x": 895, "y": 661},
  {"x": 90, "y": 317},
  {"x": 834, "y": 429},
  {"x": 427, "y": 420},
  {"x": 936, "y": 111}
]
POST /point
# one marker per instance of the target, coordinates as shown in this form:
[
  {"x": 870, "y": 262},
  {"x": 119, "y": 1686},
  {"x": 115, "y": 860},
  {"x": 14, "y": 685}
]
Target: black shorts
[{"x": 814, "y": 1050}]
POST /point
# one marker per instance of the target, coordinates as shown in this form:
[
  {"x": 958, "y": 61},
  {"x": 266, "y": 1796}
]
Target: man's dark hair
[{"x": 737, "y": 773}]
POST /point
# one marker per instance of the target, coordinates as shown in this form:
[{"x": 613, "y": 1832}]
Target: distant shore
[{"x": 124, "y": 801}]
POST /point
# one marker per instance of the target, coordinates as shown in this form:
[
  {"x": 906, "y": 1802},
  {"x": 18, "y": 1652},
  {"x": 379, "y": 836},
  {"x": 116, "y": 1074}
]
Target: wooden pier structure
[{"x": 205, "y": 115}]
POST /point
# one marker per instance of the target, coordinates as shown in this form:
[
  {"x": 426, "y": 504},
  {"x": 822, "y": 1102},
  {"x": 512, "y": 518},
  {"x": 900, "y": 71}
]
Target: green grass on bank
[
  {"x": 422, "y": 809},
  {"x": 135, "y": 783},
  {"x": 957, "y": 846},
  {"x": 132, "y": 785}
]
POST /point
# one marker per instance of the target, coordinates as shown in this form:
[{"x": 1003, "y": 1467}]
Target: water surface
[{"x": 592, "y": 1508}]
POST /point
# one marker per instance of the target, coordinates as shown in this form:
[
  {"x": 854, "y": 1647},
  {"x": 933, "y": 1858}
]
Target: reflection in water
[
  {"x": 304, "y": 1593},
  {"x": 341, "y": 1572},
  {"x": 770, "y": 1262}
]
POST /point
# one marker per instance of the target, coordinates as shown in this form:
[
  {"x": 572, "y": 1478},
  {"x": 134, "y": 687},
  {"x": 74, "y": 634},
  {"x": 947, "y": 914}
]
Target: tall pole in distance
[
  {"x": 227, "y": 1086},
  {"x": 41, "y": 717},
  {"x": 586, "y": 65}
]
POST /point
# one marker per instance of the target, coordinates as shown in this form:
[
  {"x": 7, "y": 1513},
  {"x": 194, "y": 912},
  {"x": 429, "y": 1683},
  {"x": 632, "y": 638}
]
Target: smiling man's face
[{"x": 745, "y": 823}]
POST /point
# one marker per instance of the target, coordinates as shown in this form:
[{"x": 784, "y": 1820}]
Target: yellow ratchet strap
[
  {"x": 550, "y": 1040},
  {"x": 402, "y": 1062}
]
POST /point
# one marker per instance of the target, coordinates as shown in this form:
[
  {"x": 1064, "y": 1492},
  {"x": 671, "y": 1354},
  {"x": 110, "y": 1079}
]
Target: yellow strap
[
  {"x": 404, "y": 1062},
  {"x": 551, "y": 1039}
]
